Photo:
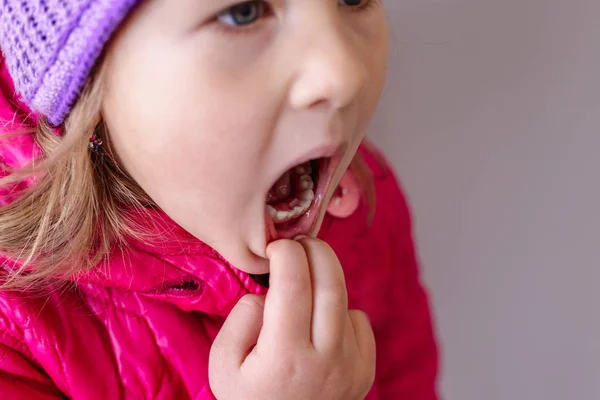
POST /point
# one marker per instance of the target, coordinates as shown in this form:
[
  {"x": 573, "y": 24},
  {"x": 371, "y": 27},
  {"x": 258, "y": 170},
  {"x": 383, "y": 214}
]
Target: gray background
[{"x": 491, "y": 117}]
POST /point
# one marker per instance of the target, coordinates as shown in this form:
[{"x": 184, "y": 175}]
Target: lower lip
[{"x": 306, "y": 223}]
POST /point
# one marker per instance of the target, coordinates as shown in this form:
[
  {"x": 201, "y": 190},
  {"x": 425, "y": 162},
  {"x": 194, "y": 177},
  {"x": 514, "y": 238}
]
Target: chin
[{"x": 294, "y": 205}]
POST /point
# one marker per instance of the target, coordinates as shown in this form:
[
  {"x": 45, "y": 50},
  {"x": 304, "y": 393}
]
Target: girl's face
[{"x": 210, "y": 102}]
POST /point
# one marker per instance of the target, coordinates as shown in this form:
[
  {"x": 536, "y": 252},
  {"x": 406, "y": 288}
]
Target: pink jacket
[{"x": 141, "y": 326}]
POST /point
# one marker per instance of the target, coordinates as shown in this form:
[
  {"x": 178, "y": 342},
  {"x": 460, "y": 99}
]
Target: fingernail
[{"x": 300, "y": 237}]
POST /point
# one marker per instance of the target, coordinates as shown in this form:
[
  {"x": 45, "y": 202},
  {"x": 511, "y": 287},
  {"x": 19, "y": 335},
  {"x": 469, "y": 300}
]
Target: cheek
[{"x": 189, "y": 154}]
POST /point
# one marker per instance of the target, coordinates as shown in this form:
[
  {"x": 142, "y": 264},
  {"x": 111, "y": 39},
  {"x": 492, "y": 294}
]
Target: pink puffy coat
[{"x": 141, "y": 326}]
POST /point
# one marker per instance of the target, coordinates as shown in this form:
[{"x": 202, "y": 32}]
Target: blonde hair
[
  {"x": 67, "y": 221},
  {"x": 79, "y": 206}
]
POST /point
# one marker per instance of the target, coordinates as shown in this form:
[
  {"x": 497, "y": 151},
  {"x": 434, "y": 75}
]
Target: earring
[{"x": 95, "y": 143}]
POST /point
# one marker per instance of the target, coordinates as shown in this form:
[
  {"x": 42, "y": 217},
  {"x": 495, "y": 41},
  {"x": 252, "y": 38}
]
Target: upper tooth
[
  {"x": 303, "y": 169},
  {"x": 306, "y": 182},
  {"x": 272, "y": 211},
  {"x": 283, "y": 191}
]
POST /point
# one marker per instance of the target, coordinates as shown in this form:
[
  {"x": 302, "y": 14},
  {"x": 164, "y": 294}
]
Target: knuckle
[
  {"x": 287, "y": 368},
  {"x": 296, "y": 366}
]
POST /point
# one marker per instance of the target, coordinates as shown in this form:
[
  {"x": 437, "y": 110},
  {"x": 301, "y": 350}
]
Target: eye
[
  {"x": 353, "y": 3},
  {"x": 359, "y": 5},
  {"x": 244, "y": 14}
]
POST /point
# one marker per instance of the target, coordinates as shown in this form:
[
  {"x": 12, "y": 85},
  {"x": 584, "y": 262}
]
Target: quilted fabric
[{"x": 141, "y": 325}]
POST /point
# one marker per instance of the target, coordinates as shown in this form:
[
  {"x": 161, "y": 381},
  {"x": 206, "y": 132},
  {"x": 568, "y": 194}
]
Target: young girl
[{"x": 159, "y": 159}]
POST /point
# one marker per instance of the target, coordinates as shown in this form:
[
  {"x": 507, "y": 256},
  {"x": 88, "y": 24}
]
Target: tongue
[{"x": 281, "y": 190}]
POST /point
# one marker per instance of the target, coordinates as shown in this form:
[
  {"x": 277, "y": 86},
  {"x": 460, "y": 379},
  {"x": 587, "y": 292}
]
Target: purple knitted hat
[{"x": 50, "y": 47}]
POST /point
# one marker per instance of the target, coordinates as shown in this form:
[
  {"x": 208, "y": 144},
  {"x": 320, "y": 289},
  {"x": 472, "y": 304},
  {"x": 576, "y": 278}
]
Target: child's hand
[{"x": 301, "y": 342}]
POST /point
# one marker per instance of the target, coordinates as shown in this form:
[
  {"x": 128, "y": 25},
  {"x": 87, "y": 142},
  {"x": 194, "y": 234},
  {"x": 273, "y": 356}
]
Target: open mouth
[{"x": 293, "y": 202}]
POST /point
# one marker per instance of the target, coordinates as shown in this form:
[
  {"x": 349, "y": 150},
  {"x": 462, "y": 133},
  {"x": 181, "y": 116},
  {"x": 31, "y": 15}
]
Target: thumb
[{"x": 238, "y": 335}]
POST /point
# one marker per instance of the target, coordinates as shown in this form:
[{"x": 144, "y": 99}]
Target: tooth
[
  {"x": 302, "y": 207},
  {"x": 272, "y": 211},
  {"x": 293, "y": 203},
  {"x": 306, "y": 182},
  {"x": 305, "y": 204},
  {"x": 284, "y": 191},
  {"x": 303, "y": 169},
  {"x": 296, "y": 211},
  {"x": 308, "y": 195},
  {"x": 298, "y": 207},
  {"x": 293, "y": 213},
  {"x": 281, "y": 215}
]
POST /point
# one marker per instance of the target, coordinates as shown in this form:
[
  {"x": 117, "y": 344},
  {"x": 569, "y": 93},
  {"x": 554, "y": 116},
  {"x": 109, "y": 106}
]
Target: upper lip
[{"x": 326, "y": 151}]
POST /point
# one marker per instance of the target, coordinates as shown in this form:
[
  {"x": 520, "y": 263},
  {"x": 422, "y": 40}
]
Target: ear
[{"x": 346, "y": 198}]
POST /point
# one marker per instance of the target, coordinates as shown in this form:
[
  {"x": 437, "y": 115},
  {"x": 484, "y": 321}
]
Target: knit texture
[{"x": 51, "y": 46}]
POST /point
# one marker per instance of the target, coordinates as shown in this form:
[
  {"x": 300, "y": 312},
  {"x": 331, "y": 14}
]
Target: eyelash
[
  {"x": 368, "y": 5},
  {"x": 229, "y": 29}
]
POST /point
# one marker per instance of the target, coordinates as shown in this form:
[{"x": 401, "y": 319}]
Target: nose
[{"x": 329, "y": 68}]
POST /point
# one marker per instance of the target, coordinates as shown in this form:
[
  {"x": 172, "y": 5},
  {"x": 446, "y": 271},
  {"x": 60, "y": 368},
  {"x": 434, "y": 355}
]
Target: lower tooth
[
  {"x": 303, "y": 207},
  {"x": 296, "y": 211},
  {"x": 299, "y": 207},
  {"x": 293, "y": 203},
  {"x": 307, "y": 195},
  {"x": 306, "y": 182}
]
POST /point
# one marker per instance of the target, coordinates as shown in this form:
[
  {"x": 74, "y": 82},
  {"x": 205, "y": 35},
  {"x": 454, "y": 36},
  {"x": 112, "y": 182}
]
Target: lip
[
  {"x": 328, "y": 151},
  {"x": 308, "y": 221}
]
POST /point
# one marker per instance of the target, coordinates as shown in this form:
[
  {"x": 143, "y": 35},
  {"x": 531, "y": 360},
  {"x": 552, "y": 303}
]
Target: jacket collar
[{"x": 176, "y": 267}]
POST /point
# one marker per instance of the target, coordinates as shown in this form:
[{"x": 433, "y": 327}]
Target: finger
[
  {"x": 365, "y": 339},
  {"x": 288, "y": 306},
  {"x": 238, "y": 335},
  {"x": 330, "y": 298}
]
